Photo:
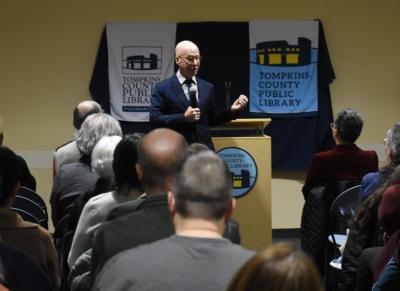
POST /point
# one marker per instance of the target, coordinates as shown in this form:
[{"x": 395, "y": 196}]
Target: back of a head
[
  {"x": 124, "y": 164},
  {"x": 195, "y": 148},
  {"x": 10, "y": 173},
  {"x": 93, "y": 129},
  {"x": 392, "y": 141},
  {"x": 278, "y": 268},
  {"x": 160, "y": 155},
  {"x": 203, "y": 187},
  {"x": 102, "y": 156},
  {"x": 348, "y": 124},
  {"x": 83, "y": 109}
]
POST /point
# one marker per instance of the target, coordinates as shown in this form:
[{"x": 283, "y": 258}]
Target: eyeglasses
[{"x": 191, "y": 59}]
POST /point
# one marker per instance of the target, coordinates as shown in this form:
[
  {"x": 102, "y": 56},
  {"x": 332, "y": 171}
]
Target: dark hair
[
  {"x": 203, "y": 187},
  {"x": 10, "y": 173},
  {"x": 124, "y": 163},
  {"x": 278, "y": 268},
  {"x": 371, "y": 204},
  {"x": 348, "y": 124}
]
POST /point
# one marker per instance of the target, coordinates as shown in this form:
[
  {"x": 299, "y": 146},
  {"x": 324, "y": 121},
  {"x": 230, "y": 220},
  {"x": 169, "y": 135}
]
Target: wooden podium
[{"x": 253, "y": 151}]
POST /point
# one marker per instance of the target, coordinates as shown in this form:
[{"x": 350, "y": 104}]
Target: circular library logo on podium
[{"x": 243, "y": 169}]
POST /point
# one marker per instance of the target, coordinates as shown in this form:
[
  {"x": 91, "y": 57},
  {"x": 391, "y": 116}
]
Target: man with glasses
[{"x": 185, "y": 103}]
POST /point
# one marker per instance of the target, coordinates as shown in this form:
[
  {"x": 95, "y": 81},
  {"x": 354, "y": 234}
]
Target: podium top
[{"x": 246, "y": 123}]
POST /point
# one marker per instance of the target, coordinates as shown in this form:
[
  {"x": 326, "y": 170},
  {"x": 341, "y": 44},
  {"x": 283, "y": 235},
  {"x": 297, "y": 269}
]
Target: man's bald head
[
  {"x": 187, "y": 57},
  {"x": 83, "y": 109},
  {"x": 184, "y": 47},
  {"x": 161, "y": 154}
]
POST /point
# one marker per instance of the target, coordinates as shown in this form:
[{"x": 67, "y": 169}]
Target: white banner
[
  {"x": 140, "y": 54},
  {"x": 283, "y": 66}
]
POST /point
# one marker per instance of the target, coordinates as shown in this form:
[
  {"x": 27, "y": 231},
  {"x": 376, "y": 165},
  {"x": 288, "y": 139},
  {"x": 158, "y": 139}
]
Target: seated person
[
  {"x": 389, "y": 218},
  {"x": 160, "y": 155},
  {"x": 197, "y": 257},
  {"x": 31, "y": 238},
  {"x": 279, "y": 268},
  {"x": 20, "y": 272},
  {"x": 372, "y": 180},
  {"x": 69, "y": 152},
  {"x": 27, "y": 179},
  {"x": 122, "y": 165},
  {"x": 389, "y": 279},
  {"x": 74, "y": 179},
  {"x": 365, "y": 232},
  {"x": 346, "y": 161}
]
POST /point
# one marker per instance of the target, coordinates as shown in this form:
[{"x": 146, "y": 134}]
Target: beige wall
[{"x": 48, "y": 48}]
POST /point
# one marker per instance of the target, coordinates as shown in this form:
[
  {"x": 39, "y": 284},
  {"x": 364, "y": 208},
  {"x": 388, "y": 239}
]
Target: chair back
[
  {"x": 342, "y": 211},
  {"x": 30, "y": 210},
  {"x": 34, "y": 196},
  {"x": 25, "y": 215},
  {"x": 66, "y": 203}
]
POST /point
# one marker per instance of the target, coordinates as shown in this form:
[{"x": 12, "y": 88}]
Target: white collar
[{"x": 182, "y": 79}]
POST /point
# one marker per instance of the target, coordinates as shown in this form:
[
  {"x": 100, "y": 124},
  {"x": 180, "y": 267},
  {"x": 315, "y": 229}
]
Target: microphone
[{"x": 192, "y": 97}]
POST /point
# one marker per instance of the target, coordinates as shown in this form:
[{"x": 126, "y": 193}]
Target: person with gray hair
[
  {"x": 346, "y": 161},
  {"x": 197, "y": 257},
  {"x": 74, "y": 179},
  {"x": 391, "y": 143},
  {"x": 97, "y": 208},
  {"x": 69, "y": 152}
]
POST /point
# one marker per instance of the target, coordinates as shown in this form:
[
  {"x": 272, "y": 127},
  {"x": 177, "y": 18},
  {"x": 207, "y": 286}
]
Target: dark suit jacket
[
  {"x": 169, "y": 103},
  {"x": 343, "y": 162},
  {"x": 20, "y": 271}
]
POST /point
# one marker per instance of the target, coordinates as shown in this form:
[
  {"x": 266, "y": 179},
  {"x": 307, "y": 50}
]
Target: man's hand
[
  {"x": 239, "y": 103},
  {"x": 192, "y": 114}
]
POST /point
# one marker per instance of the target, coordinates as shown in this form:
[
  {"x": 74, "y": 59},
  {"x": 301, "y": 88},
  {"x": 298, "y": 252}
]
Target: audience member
[
  {"x": 389, "y": 218},
  {"x": 278, "y": 268},
  {"x": 389, "y": 279},
  {"x": 96, "y": 209},
  {"x": 32, "y": 238},
  {"x": 365, "y": 232},
  {"x": 197, "y": 257},
  {"x": 346, "y": 161},
  {"x": 74, "y": 179},
  {"x": 69, "y": 152},
  {"x": 160, "y": 155},
  {"x": 27, "y": 179},
  {"x": 392, "y": 151},
  {"x": 20, "y": 272}
]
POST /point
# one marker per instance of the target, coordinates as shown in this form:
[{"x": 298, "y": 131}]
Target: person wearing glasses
[
  {"x": 185, "y": 103},
  {"x": 346, "y": 161}
]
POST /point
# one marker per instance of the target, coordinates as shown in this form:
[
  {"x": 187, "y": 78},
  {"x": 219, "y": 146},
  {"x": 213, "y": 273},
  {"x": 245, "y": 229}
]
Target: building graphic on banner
[
  {"x": 283, "y": 71},
  {"x": 141, "y": 69},
  {"x": 280, "y": 53},
  {"x": 140, "y": 62}
]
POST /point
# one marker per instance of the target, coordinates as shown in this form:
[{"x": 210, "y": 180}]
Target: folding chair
[
  {"x": 34, "y": 196},
  {"x": 341, "y": 214},
  {"x": 22, "y": 204}
]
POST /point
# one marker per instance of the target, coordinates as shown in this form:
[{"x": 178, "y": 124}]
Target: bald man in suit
[{"x": 185, "y": 103}]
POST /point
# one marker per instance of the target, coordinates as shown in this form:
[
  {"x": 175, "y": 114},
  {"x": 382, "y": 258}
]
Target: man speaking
[{"x": 186, "y": 103}]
